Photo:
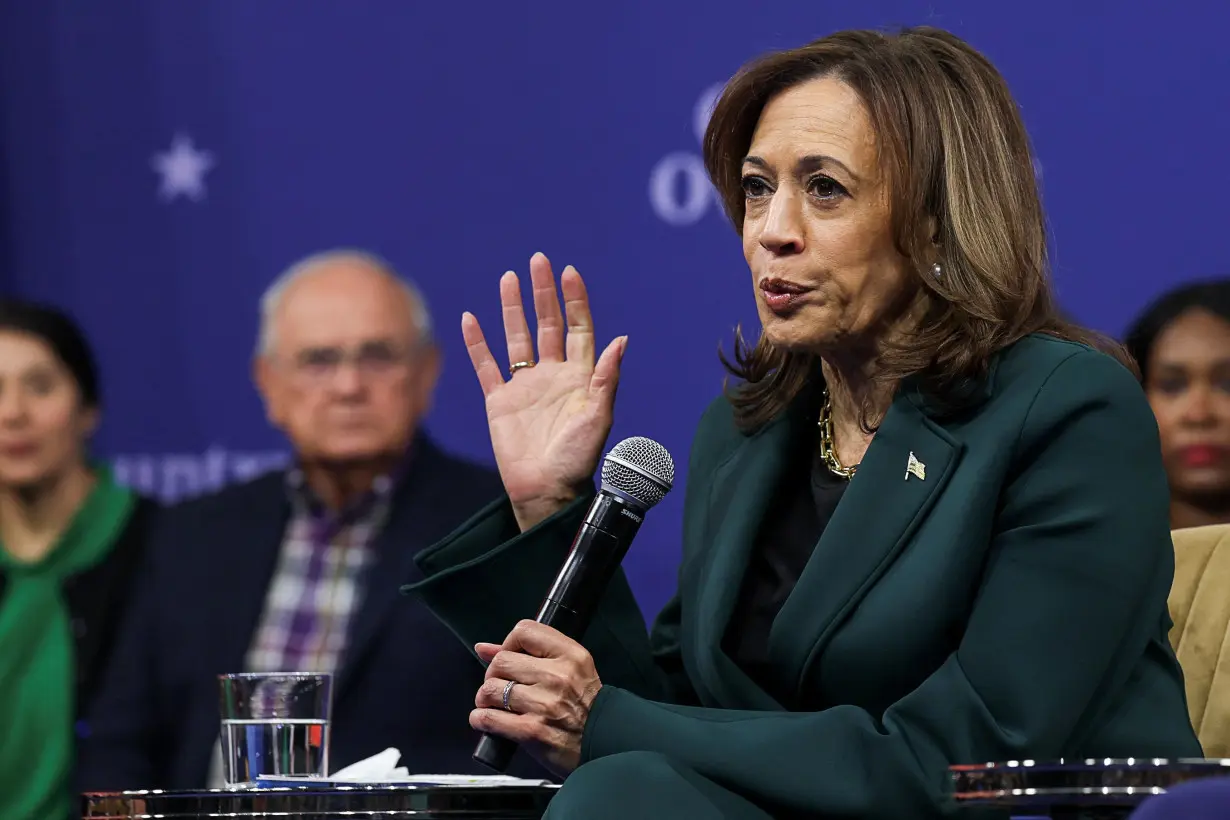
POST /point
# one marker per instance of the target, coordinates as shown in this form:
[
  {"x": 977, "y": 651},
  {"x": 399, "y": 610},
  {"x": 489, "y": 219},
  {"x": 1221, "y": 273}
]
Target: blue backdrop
[{"x": 161, "y": 162}]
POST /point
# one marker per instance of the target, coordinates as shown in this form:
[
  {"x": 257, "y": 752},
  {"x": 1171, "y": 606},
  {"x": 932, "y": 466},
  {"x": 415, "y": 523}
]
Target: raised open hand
[{"x": 549, "y": 420}]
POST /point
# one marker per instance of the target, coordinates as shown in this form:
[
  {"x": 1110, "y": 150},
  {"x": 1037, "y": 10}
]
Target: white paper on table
[{"x": 383, "y": 768}]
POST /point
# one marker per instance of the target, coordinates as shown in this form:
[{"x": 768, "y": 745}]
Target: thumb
[{"x": 606, "y": 371}]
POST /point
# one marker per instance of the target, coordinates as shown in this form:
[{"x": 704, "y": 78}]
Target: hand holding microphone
[{"x": 541, "y": 681}]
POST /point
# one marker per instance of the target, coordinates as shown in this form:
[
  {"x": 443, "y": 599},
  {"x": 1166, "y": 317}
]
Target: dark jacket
[
  {"x": 404, "y": 680},
  {"x": 98, "y": 598},
  {"x": 1008, "y": 604}
]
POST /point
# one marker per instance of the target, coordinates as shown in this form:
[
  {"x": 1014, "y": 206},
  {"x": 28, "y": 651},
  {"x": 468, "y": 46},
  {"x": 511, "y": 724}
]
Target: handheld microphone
[{"x": 636, "y": 474}]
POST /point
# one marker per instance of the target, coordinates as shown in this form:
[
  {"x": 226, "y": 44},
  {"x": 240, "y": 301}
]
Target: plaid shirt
[{"x": 317, "y": 586}]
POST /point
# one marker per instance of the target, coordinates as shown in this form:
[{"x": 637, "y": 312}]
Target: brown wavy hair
[{"x": 953, "y": 149}]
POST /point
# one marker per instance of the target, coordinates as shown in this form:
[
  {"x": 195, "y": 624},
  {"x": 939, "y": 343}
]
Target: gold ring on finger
[{"x": 515, "y": 366}]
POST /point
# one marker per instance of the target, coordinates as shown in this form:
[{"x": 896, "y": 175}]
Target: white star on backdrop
[{"x": 182, "y": 169}]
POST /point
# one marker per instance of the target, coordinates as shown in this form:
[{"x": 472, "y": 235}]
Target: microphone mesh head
[{"x": 639, "y": 468}]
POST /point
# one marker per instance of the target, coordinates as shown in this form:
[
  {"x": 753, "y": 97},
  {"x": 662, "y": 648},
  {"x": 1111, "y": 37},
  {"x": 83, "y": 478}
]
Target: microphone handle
[
  {"x": 570, "y": 603},
  {"x": 495, "y": 752}
]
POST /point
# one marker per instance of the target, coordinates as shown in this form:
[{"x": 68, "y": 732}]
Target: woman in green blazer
[{"x": 927, "y": 525}]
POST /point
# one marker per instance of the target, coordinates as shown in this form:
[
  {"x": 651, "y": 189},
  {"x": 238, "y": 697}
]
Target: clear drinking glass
[{"x": 274, "y": 723}]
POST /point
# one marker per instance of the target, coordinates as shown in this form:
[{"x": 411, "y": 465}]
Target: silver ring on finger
[{"x": 507, "y": 691}]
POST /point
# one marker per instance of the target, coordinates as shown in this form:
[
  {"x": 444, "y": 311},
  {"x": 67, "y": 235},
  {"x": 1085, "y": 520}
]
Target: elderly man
[{"x": 299, "y": 571}]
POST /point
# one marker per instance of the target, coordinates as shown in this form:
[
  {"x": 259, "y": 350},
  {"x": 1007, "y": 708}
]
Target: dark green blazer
[{"x": 1010, "y": 604}]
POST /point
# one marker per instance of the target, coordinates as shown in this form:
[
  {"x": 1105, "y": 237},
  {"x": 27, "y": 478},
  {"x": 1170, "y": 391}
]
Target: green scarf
[{"x": 37, "y": 659}]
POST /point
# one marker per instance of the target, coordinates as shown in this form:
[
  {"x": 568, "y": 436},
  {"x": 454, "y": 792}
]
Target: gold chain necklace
[{"x": 828, "y": 451}]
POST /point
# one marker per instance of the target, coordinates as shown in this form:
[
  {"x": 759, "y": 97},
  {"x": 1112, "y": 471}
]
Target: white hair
[{"x": 271, "y": 300}]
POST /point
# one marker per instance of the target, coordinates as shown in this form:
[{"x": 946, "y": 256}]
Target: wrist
[{"x": 532, "y": 512}]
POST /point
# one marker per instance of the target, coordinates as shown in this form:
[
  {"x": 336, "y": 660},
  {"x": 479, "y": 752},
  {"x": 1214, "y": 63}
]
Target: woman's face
[
  {"x": 43, "y": 426},
  {"x": 816, "y": 233},
  {"x": 1189, "y": 389}
]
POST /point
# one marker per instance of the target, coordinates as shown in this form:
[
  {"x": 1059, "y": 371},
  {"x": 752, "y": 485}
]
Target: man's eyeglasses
[{"x": 374, "y": 359}]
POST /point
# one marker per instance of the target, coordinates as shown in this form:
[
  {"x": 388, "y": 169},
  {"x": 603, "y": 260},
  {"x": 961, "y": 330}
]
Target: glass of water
[{"x": 274, "y": 723}]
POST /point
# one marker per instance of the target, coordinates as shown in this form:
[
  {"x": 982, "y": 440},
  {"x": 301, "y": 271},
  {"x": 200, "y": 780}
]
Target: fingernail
[
  {"x": 538, "y": 254},
  {"x": 623, "y": 347}
]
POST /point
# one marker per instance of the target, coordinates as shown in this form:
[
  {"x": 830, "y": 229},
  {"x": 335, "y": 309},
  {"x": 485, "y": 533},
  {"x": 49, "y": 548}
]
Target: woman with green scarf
[{"x": 70, "y": 540}]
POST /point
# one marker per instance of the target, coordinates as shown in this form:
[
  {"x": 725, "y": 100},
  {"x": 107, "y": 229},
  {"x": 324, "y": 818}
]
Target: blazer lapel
[
  {"x": 256, "y": 543},
  {"x": 393, "y": 561},
  {"x": 738, "y": 498},
  {"x": 903, "y": 472}
]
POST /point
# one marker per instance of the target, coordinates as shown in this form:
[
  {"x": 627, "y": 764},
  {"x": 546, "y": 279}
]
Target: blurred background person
[
  {"x": 1182, "y": 343},
  {"x": 298, "y": 571},
  {"x": 70, "y": 539}
]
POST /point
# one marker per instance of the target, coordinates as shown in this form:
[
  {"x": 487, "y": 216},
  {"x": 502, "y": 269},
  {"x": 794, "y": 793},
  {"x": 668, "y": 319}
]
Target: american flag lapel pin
[{"x": 915, "y": 468}]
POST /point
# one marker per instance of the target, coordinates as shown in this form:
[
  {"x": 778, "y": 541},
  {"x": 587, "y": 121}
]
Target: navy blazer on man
[{"x": 404, "y": 680}]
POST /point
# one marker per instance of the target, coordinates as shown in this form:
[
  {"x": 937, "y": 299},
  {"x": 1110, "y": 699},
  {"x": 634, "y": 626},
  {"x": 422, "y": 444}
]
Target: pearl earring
[{"x": 937, "y": 270}]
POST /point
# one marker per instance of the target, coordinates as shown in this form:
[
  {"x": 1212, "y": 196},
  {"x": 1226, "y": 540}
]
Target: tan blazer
[{"x": 1200, "y": 609}]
